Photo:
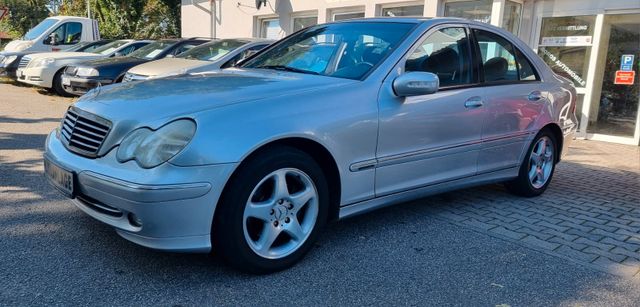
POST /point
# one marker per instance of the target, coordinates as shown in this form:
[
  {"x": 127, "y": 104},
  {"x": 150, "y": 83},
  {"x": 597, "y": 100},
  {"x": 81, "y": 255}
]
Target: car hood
[
  {"x": 154, "y": 102},
  {"x": 117, "y": 61},
  {"x": 66, "y": 55},
  {"x": 14, "y": 45},
  {"x": 166, "y": 66}
]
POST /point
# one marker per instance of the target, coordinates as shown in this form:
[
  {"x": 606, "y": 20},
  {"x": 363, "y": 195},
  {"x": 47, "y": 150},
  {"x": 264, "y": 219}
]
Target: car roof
[{"x": 407, "y": 20}]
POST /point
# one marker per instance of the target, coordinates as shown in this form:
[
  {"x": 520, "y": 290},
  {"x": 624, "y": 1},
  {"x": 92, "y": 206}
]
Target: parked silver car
[{"x": 332, "y": 121}]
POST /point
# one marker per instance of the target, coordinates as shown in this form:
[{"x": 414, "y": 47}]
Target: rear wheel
[
  {"x": 537, "y": 168},
  {"x": 272, "y": 211}
]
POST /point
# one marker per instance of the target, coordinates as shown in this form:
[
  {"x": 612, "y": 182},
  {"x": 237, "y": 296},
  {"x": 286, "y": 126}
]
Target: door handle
[
  {"x": 535, "y": 96},
  {"x": 473, "y": 102}
]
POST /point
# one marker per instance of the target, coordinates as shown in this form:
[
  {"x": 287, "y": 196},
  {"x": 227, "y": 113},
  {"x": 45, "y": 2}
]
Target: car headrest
[
  {"x": 444, "y": 60},
  {"x": 495, "y": 69}
]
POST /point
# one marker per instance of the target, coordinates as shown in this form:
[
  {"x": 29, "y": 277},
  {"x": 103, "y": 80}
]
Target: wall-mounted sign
[
  {"x": 626, "y": 62},
  {"x": 3, "y": 12},
  {"x": 625, "y": 77},
  {"x": 562, "y": 41}
]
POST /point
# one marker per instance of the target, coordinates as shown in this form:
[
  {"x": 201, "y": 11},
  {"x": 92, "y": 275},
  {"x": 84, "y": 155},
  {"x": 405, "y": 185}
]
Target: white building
[{"x": 584, "y": 40}]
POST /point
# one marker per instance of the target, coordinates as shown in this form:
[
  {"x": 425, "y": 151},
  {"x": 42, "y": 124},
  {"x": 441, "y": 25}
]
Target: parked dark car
[
  {"x": 9, "y": 61},
  {"x": 79, "y": 79}
]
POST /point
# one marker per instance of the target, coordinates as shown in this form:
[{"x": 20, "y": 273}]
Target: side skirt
[{"x": 400, "y": 197}]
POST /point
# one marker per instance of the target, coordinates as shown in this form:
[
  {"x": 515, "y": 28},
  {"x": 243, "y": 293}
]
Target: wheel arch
[
  {"x": 557, "y": 133},
  {"x": 315, "y": 150}
]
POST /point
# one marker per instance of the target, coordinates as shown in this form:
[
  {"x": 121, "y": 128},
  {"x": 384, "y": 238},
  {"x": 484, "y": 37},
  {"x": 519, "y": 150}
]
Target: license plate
[
  {"x": 66, "y": 81},
  {"x": 60, "y": 178}
]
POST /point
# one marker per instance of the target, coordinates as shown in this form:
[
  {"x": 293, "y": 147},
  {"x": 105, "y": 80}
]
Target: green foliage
[
  {"x": 139, "y": 19},
  {"x": 23, "y": 15}
]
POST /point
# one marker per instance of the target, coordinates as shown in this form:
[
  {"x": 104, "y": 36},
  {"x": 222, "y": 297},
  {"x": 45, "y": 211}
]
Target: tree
[
  {"x": 118, "y": 19},
  {"x": 23, "y": 15}
]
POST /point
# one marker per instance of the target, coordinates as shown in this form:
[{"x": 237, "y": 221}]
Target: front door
[{"x": 434, "y": 138}]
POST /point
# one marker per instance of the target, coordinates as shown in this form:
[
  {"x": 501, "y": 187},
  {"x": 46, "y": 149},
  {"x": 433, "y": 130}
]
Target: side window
[
  {"x": 183, "y": 48},
  {"x": 242, "y": 55},
  {"x": 445, "y": 53},
  {"x": 498, "y": 58},
  {"x": 132, "y": 48},
  {"x": 525, "y": 69},
  {"x": 68, "y": 33},
  {"x": 73, "y": 34}
]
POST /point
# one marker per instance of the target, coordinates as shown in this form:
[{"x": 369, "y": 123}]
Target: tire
[
  {"x": 536, "y": 173},
  {"x": 257, "y": 233},
  {"x": 57, "y": 84}
]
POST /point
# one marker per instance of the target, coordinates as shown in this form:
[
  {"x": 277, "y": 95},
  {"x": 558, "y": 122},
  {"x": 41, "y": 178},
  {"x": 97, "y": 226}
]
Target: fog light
[{"x": 134, "y": 220}]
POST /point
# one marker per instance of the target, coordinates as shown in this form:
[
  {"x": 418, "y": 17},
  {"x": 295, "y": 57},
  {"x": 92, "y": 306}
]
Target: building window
[
  {"x": 511, "y": 16},
  {"x": 270, "y": 28},
  {"x": 302, "y": 22},
  {"x": 475, "y": 10},
  {"x": 408, "y": 10},
  {"x": 565, "y": 45},
  {"x": 345, "y": 16}
]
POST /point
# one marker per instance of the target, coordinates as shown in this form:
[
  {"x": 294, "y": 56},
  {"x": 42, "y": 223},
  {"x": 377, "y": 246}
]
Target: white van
[{"x": 56, "y": 34}]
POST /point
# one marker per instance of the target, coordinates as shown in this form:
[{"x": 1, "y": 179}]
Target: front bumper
[
  {"x": 8, "y": 71},
  {"x": 79, "y": 86},
  {"x": 168, "y": 207},
  {"x": 40, "y": 76}
]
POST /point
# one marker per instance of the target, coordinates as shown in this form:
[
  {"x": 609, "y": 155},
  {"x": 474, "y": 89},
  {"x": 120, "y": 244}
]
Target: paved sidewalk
[{"x": 590, "y": 213}]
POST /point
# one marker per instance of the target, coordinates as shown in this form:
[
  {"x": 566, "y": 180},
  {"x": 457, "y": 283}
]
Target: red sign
[
  {"x": 625, "y": 77},
  {"x": 3, "y": 12}
]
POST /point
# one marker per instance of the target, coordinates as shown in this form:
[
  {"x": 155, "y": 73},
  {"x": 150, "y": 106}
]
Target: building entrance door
[{"x": 614, "y": 111}]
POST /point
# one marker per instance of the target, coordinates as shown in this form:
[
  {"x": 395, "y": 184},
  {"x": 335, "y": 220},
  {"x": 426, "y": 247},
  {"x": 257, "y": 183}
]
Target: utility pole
[{"x": 88, "y": 9}]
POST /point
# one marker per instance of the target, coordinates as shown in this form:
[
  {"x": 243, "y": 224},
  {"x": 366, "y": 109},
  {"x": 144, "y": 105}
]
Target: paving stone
[
  {"x": 592, "y": 219},
  {"x": 626, "y": 252},
  {"x": 611, "y": 235},
  {"x": 573, "y": 245},
  {"x": 616, "y": 268},
  {"x": 452, "y": 216},
  {"x": 602, "y": 246},
  {"x": 576, "y": 226},
  {"x": 540, "y": 243},
  {"x": 538, "y": 234},
  {"x": 600, "y": 226},
  {"x": 562, "y": 235},
  {"x": 574, "y": 254},
  {"x": 624, "y": 244},
  {"x": 507, "y": 233},
  {"x": 582, "y": 234},
  {"x": 611, "y": 256},
  {"x": 552, "y": 226}
]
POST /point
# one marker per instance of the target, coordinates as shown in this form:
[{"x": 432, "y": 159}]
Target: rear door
[
  {"x": 513, "y": 99},
  {"x": 429, "y": 139}
]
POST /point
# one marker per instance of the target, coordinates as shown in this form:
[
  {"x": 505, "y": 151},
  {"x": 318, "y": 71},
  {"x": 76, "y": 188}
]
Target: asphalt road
[{"x": 52, "y": 254}]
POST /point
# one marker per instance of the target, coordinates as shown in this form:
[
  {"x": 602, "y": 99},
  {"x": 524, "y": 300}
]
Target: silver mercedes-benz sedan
[{"x": 335, "y": 120}]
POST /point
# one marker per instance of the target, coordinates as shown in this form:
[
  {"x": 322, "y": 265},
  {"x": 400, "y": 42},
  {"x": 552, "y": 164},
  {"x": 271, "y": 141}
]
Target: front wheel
[
  {"x": 537, "y": 168},
  {"x": 272, "y": 211},
  {"x": 57, "y": 84}
]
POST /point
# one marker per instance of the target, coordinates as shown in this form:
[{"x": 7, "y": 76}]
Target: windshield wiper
[{"x": 288, "y": 68}]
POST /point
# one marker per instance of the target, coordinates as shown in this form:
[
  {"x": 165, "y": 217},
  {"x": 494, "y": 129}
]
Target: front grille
[
  {"x": 83, "y": 132},
  {"x": 24, "y": 62},
  {"x": 128, "y": 77}
]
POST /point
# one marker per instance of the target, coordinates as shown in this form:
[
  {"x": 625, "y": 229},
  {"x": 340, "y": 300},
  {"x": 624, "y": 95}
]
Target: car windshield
[
  {"x": 345, "y": 50},
  {"x": 110, "y": 47},
  {"x": 212, "y": 51},
  {"x": 40, "y": 28},
  {"x": 151, "y": 51}
]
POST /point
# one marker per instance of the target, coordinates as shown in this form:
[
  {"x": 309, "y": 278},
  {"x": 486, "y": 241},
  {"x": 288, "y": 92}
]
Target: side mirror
[
  {"x": 119, "y": 53},
  {"x": 416, "y": 83},
  {"x": 52, "y": 39}
]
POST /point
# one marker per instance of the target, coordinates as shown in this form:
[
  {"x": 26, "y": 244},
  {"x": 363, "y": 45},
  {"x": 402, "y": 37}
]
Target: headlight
[
  {"x": 8, "y": 60},
  {"x": 43, "y": 62},
  {"x": 87, "y": 72},
  {"x": 151, "y": 148}
]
